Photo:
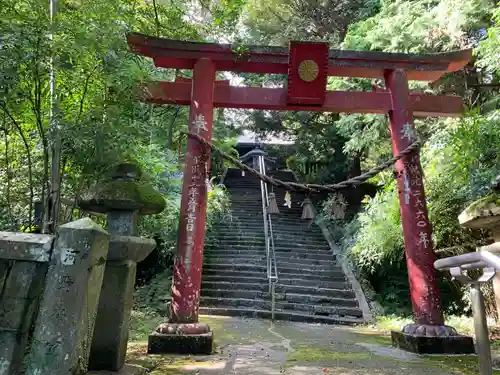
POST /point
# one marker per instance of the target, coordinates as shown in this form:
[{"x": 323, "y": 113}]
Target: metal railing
[
  {"x": 272, "y": 268},
  {"x": 485, "y": 260}
]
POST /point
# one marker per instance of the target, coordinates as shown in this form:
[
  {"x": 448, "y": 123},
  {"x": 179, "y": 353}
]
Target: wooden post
[{"x": 190, "y": 245}]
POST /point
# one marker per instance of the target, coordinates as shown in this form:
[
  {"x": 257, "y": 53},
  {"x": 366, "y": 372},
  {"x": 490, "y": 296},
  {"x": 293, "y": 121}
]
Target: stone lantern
[{"x": 124, "y": 199}]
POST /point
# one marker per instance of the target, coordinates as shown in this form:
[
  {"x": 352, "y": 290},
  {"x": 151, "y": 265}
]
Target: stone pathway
[{"x": 258, "y": 347}]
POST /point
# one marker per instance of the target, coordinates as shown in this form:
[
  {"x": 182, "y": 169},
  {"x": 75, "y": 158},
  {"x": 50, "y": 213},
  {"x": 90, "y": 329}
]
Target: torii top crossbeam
[
  {"x": 169, "y": 53},
  {"x": 308, "y": 66}
]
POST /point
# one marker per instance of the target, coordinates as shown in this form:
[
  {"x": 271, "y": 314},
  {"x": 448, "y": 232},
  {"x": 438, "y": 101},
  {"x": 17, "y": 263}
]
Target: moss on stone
[
  {"x": 487, "y": 203},
  {"x": 483, "y": 213},
  {"x": 125, "y": 195}
]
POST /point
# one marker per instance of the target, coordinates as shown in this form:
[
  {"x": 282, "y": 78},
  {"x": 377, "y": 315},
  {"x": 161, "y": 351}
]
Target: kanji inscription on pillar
[{"x": 190, "y": 243}]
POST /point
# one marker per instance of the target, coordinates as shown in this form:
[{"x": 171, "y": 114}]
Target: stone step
[
  {"x": 321, "y": 310},
  {"x": 285, "y": 246},
  {"x": 338, "y": 284},
  {"x": 250, "y": 213},
  {"x": 256, "y": 203},
  {"x": 294, "y": 256},
  {"x": 299, "y": 253},
  {"x": 234, "y": 253},
  {"x": 238, "y": 207},
  {"x": 288, "y": 285},
  {"x": 333, "y": 297},
  {"x": 290, "y": 230},
  {"x": 279, "y": 246},
  {"x": 279, "y": 315},
  {"x": 231, "y": 260},
  {"x": 314, "y": 290},
  {"x": 237, "y": 238},
  {"x": 310, "y": 271},
  {"x": 324, "y": 267},
  {"x": 236, "y": 293},
  {"x": 233, "y": 272},
  {"x": 255, "y": 303},
  {"x": 281, "y": 261},
  {"x": 234, "y": 267},
  {"x": 285, "y": 252},
  {"x": 254, "y": 216},
  {"x": 313, "y": 277},
  {"x": 259, "y": 237},
  {"x": 244, "y": 206},
  {"x": 256, "y": 221},
  {"x": 224, "y": 285},
  {"x": 236, "y": 279},
  {"x": 255, "y": 268},
  {"x": 342, "y": 298},
  {"x": 313, "y": 258},
  {"x": 258, "y": 225},
  {"x": 222, "y": 256},
  {"x": 237, "y": 246}
]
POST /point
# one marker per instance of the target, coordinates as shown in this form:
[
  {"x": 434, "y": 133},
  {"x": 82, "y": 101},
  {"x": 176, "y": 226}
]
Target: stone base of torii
[{"x": 308, "y": 66}]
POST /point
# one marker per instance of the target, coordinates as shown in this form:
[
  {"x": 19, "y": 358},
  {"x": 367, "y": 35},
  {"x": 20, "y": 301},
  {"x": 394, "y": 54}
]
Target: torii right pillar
[{"x": 428, "y": 333}]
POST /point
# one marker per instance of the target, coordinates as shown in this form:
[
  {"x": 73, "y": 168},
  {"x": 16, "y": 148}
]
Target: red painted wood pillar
[
  {"x": 190, "y": 244},
  {"x": 420, "y": 256}
]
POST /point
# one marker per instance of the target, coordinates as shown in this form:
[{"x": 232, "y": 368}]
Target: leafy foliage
[{"x": 100, "y": 118}]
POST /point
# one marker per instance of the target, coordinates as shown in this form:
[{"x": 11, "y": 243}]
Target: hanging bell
[
  {"x": 273, "y": 205},
  {"x": 308, "y": 209}
]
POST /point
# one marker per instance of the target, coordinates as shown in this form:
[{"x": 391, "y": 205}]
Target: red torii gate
[{"x": 308, "y": 66}]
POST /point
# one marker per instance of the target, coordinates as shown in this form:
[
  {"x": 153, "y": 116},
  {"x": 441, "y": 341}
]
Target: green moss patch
[
  {"x": 467, "y": 365},
  {"x": 166, "y": 364},
  {"x": 311, "y": 354},
  {"x": 374, "y": 338},
  {"x": 142, "y": 324}
]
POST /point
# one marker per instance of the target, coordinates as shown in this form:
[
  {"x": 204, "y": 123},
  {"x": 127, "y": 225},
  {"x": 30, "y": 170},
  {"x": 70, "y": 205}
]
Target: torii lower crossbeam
[{"x": 226, "y": 96}]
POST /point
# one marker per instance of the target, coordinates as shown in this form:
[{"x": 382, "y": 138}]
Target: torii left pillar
[{"x": 183, "y": 334}]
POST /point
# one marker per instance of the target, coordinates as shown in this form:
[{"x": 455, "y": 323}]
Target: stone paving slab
[
  {"x": 126, "y": 370},
  {"x": 258, "y": 347}
]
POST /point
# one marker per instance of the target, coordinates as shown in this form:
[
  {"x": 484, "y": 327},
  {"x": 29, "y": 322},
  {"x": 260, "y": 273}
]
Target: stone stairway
[{"x": 311, "y": 287}]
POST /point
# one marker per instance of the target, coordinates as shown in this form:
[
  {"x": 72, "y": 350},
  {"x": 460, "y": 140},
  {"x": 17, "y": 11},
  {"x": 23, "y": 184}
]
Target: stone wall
[
  {"x": 23, "y": 265},
  {"x": 50, "y": 289}
]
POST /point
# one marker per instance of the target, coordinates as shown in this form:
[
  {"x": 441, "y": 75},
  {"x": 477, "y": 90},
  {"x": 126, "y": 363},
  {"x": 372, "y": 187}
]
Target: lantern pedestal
[
  {"x": 182, "y": 338},
  {"x": 429, "y": 339}
]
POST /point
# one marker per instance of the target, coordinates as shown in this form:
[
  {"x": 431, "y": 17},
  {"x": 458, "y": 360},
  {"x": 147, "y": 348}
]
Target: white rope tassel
[{"x": 288, "y": 200}]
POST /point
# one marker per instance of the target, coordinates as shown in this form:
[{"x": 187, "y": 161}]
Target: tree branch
[
  {"x": 157, "y": 19},
  {"x": 28, "y": 155},
  {"x": 84, "y": 94}
]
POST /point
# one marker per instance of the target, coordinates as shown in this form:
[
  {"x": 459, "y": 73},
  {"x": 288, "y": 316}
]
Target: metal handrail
[
  {"x": 272, "y": 267},
  {"x": 483, "y": 259}
]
